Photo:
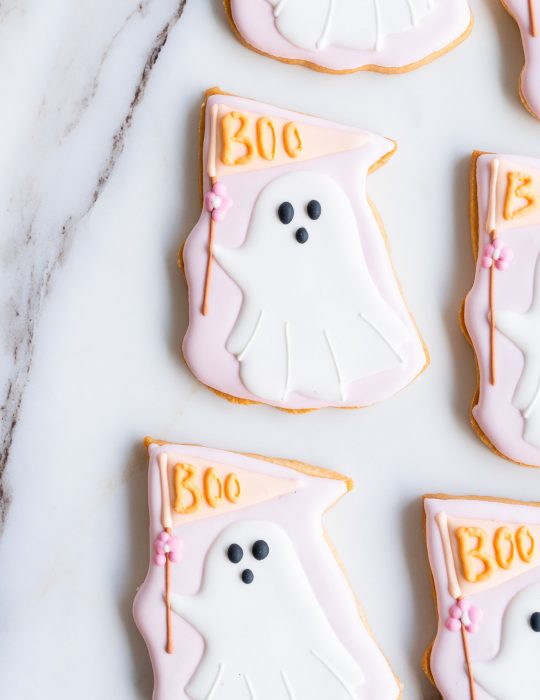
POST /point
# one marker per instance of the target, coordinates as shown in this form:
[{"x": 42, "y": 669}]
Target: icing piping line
[
  {"x": 250, "y": 688},
  {"x": 170, "y": 642},
  {"x": 215, "y": 684},
  {"x": 334, "y": 673},
  {"x": 532, "y": 17},
  {"x": 211, "y": 235},
  {"x": 453, "y": 584},
  {"x": 414, "y": 18},
  {"x": 465, "y": 640},
  {"x": 381, "y": 334},
  {"x": 288, "y": 687},
  {"x": 242, "y": 354},
  {"x": 288, "y": 352},
  {"x": 278, "y": 9},
  {"x": 212, "y": 145},
  {"x": 492, "y": 210},
  {"x": 455, "y": 591},
  {"x": 211, "y": 169},
  {"x": 166, "y": 522},
  {"x": 378, "y": 38},
  {"x": 336, "y": 365},
  {"x": 530, "y": 408},
  {"x": 492, "y": 230},
  {"x": 323, "y": 39},
  {"x": 166, "y": 519}
]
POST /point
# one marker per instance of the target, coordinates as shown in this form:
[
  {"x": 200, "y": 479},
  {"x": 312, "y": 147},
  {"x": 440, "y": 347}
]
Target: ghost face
[
  {"x": 514, "y": 673},
  {"x": 312, "y": 319},
  {"x": 303, "y": 239},
  {"x": 266, "y": 636}
]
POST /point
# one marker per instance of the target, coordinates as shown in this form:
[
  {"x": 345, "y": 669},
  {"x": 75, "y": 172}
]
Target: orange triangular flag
[
  {"x": 481, "y": 554},
  {"x": 242, "y": 141},
  {"x": 194, "y": 489}
]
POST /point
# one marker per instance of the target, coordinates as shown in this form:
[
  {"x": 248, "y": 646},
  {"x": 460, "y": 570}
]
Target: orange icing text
[
  {"x": 481, "y": 557},
  {"x": 266, "y": 131},
  {"x": 192, "y": 490},
  {"x": 257, "y": 138},
  {"x": 520, "y": 199},
  {"x": 292, "y": 140}
]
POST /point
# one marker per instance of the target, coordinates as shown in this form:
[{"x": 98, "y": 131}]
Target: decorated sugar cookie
[
  {"x": 502, "y": 311},
  {"x": 527, "y": 15},
  {"x": 485, "y": 561},
  {"x": 244, "y": 599},
  {"x": 341, "y": 36},
  {"x": 292, "y": 297}
]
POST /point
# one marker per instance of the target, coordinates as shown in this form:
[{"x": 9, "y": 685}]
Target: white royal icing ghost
[
  {"x": 523, "y": 329},
  {"x": 514, "y": 674},
  {"x": 266, "y": 636},
  {"x": 312, "y": 320},
  {"x": 349, "y": 24}
]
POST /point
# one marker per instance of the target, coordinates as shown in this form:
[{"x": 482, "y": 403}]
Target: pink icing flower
[
  {"x": 218, "y": 201},
  {"x": 167, "y": 544},
  {"x": 497, "y": 254},
  {"x": 463, "y": 613}
]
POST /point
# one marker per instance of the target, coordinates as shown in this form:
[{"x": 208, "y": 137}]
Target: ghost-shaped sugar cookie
[
  {"x": 484, "y": 556},
  {"x": 341, "y": 36},
  {"x": 244, "y": 598},
  {"x": 292, "y": 298},
  {"x": 501, "y": 314}
]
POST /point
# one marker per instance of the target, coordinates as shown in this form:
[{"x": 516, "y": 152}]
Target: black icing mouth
[{"x": 247, "y": 576}]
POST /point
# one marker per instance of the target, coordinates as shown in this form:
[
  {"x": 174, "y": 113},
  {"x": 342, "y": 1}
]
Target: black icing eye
[
  {"x": 301, "y": 235},
  {"x": 247, "y": 576},
  {"x": 286, "y": 212},
  {"x": 235, "y": 553},
  {"x": 314, "y": 209},
  {"x": 260, "y": 550},
  {"x": 535, "y": 621}
]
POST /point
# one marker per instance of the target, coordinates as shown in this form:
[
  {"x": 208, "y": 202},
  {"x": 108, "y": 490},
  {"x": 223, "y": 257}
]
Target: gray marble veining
[{"x": 67, "y": 156}]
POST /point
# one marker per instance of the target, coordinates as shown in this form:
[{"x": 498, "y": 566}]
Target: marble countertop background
[{"x": 98, "y": 189}]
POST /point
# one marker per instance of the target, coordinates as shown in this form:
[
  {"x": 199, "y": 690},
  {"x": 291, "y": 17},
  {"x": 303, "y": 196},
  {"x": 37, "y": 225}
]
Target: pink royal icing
[
  {"x": 386, "y": 34},
  {"x": 464, "y": 614},
  {"x": 246, "y": 574},
  {"x": 218, "y": 201},
  {"x": 167, "y": 544},
  {"x": 497, "y": 254},
  {"x": 272, "y": 331}
]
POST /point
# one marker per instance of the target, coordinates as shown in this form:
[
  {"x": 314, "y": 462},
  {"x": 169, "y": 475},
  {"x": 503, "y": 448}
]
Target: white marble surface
[{"x": 98, "y": 188}]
